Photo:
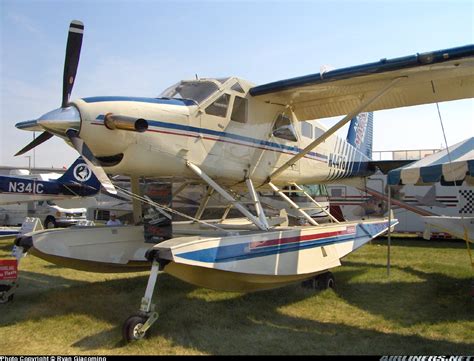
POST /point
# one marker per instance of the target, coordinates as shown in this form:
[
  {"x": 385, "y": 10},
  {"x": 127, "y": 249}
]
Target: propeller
[
  {"x": 65, "y": 121},
  {"x": 71, "y": 62},
  {"x": 43, "y": 137},
  {"x": 91, "y": 160}
]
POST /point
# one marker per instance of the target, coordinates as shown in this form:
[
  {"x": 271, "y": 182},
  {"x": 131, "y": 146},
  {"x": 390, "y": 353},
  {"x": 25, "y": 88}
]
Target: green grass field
[{"x": 425, "y": 307}]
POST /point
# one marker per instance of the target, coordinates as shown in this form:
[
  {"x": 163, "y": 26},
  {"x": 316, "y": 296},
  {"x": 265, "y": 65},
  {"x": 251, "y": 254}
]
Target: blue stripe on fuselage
[
  {"x": 216, "y": 133},
  {"x": 181, "y": 102}
]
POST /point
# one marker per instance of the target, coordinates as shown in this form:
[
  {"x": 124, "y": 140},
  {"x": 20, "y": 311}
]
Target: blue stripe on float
[
  {"x": 8, "y": 233},
  {"x": 242, "y": 251}
]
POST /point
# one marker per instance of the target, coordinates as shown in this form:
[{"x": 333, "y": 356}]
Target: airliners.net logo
[{"x": 427, "y": 358}]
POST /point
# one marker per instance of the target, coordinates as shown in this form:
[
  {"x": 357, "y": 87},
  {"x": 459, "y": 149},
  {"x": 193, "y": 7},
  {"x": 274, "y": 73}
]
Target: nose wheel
[
  {"x": 7, "y": 292},
  {"x": 133, "y": 328},
  {"x": 136, "y": 326}
]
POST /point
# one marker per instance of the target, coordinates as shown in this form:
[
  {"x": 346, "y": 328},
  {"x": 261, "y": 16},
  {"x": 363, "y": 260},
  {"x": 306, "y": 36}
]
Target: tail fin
[
  {"x": 360, "y": 133},
  {"x": 80, "y": 174}
]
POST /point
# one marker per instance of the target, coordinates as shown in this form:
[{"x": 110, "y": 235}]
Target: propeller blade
[
  {"x": 71, "y": 61},
  {"x": 91, "y": 161},
  {"x": 43, "y": 137}
]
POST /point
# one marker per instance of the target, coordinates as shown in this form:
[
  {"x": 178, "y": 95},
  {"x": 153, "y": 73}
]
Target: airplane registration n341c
[{"x": 237, "y": 138}]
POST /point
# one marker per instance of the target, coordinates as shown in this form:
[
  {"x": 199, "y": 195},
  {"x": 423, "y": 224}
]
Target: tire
[
  {"x": 5, "y": 288},
  {"x": 130, "y": 328},
  {"x": 49, "y": 222},
  {"x": 326, "y": 280},
  {"x": 310, "y": 284},
  {"x": 4, "y": 301}
]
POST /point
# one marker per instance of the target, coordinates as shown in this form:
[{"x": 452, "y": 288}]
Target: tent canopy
[{"x": 446, "y": 167}]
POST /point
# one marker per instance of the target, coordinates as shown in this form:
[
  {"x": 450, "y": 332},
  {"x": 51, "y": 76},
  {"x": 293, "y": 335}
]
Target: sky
[{"x": 139, "y": 48}]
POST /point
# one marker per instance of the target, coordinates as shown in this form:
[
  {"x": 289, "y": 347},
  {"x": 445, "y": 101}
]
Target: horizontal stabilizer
[{"x": 387, "y": 165}]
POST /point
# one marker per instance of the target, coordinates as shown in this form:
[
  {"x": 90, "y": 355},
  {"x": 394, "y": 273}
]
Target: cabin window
[
  {"x": 284, "y": 129},
  {"x": 236, "y": 87},
  {"x": 315, "y": 190},
  {"x": 196, "y": 90},
  {"x": 307, "y": 130},
  {"x": 219, "y": 107},
  {"x": 239, "y": 111},
  {"x": 337, "y": 192}
]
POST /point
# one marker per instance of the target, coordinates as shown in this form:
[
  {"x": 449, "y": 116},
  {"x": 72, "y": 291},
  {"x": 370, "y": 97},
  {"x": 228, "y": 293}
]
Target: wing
[{"x": 426, "y": 78}]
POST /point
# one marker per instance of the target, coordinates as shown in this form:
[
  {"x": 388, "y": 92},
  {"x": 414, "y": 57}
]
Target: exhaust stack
[{"x": 112, "y": 122}]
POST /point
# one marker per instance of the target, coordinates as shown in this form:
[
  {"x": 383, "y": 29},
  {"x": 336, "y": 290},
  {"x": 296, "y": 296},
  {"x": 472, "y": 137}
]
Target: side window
[
  {"x": 284, "y": 129},
  {"x": 307, "y": 130},
  {"x": 237, "y": 88},
  {"x": 239, "y": 111},
  {"x": 323, "y": 190},
  {"x": 318, "y": 132},
  {"x": 219, "y": 107},
  {"x": 315, "y": 190}
]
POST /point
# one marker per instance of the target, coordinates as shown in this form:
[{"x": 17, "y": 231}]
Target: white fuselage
[{"x": 225, "y": 149}]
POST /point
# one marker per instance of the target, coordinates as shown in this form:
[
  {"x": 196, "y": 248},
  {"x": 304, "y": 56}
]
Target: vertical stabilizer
[
  {"x": 80, "y": 174},
  {"x": 360, "y": 133}
]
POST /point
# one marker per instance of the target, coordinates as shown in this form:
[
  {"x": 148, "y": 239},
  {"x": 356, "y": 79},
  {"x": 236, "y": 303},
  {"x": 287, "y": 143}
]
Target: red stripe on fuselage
[{"x": 223, "y": 141}]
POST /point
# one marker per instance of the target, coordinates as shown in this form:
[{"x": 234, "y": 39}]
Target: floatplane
[{"x": 234, "y": 137}]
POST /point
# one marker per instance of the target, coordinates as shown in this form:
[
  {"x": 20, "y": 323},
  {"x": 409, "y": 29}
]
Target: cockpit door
[
  {"x": 284, "y": 140},
  {"x": 214, "y": 121}
]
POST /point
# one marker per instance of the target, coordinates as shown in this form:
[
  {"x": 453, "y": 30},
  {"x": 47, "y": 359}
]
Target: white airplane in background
[{"x": 235, "y": 136}]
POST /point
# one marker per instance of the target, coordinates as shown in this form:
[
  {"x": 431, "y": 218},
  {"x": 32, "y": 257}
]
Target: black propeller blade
[
  {"x": 91, "y": 161},
  {"x": 71, "y": 61},
  {"x": 43, "y": 137}
]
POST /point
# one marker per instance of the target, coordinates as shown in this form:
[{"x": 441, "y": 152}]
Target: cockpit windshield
[{"x": 196, "y": 90}]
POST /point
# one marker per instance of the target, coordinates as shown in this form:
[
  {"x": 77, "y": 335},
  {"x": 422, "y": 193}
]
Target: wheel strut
[{"x": 136, "y": 326}]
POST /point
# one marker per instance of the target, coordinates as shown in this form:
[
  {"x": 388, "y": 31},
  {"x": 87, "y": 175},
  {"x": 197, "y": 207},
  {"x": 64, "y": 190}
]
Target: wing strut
[
  {"x": 260, "y": 222},
  {"x": 333, "y": 129},
  {"x": 318, "y": 205},
  {"x": 293, "y": 204}
]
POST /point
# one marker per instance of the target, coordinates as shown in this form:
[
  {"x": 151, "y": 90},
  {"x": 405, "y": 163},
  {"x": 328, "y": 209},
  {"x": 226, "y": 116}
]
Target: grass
[{"x": 425, "y": 307}]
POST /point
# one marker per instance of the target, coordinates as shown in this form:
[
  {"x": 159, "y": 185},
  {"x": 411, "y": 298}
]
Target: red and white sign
[{"x": 8, "y": 269}]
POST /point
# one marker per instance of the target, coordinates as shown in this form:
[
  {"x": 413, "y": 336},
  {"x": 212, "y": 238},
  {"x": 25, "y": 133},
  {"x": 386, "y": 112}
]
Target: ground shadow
[
  {"x": 433, "y": 298},
  {"x": 422, "y": 243},
  {"x": 248, "y": 323},
  {"x": 253, "y": 324},
  {"x": 241, "y": 324}
]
